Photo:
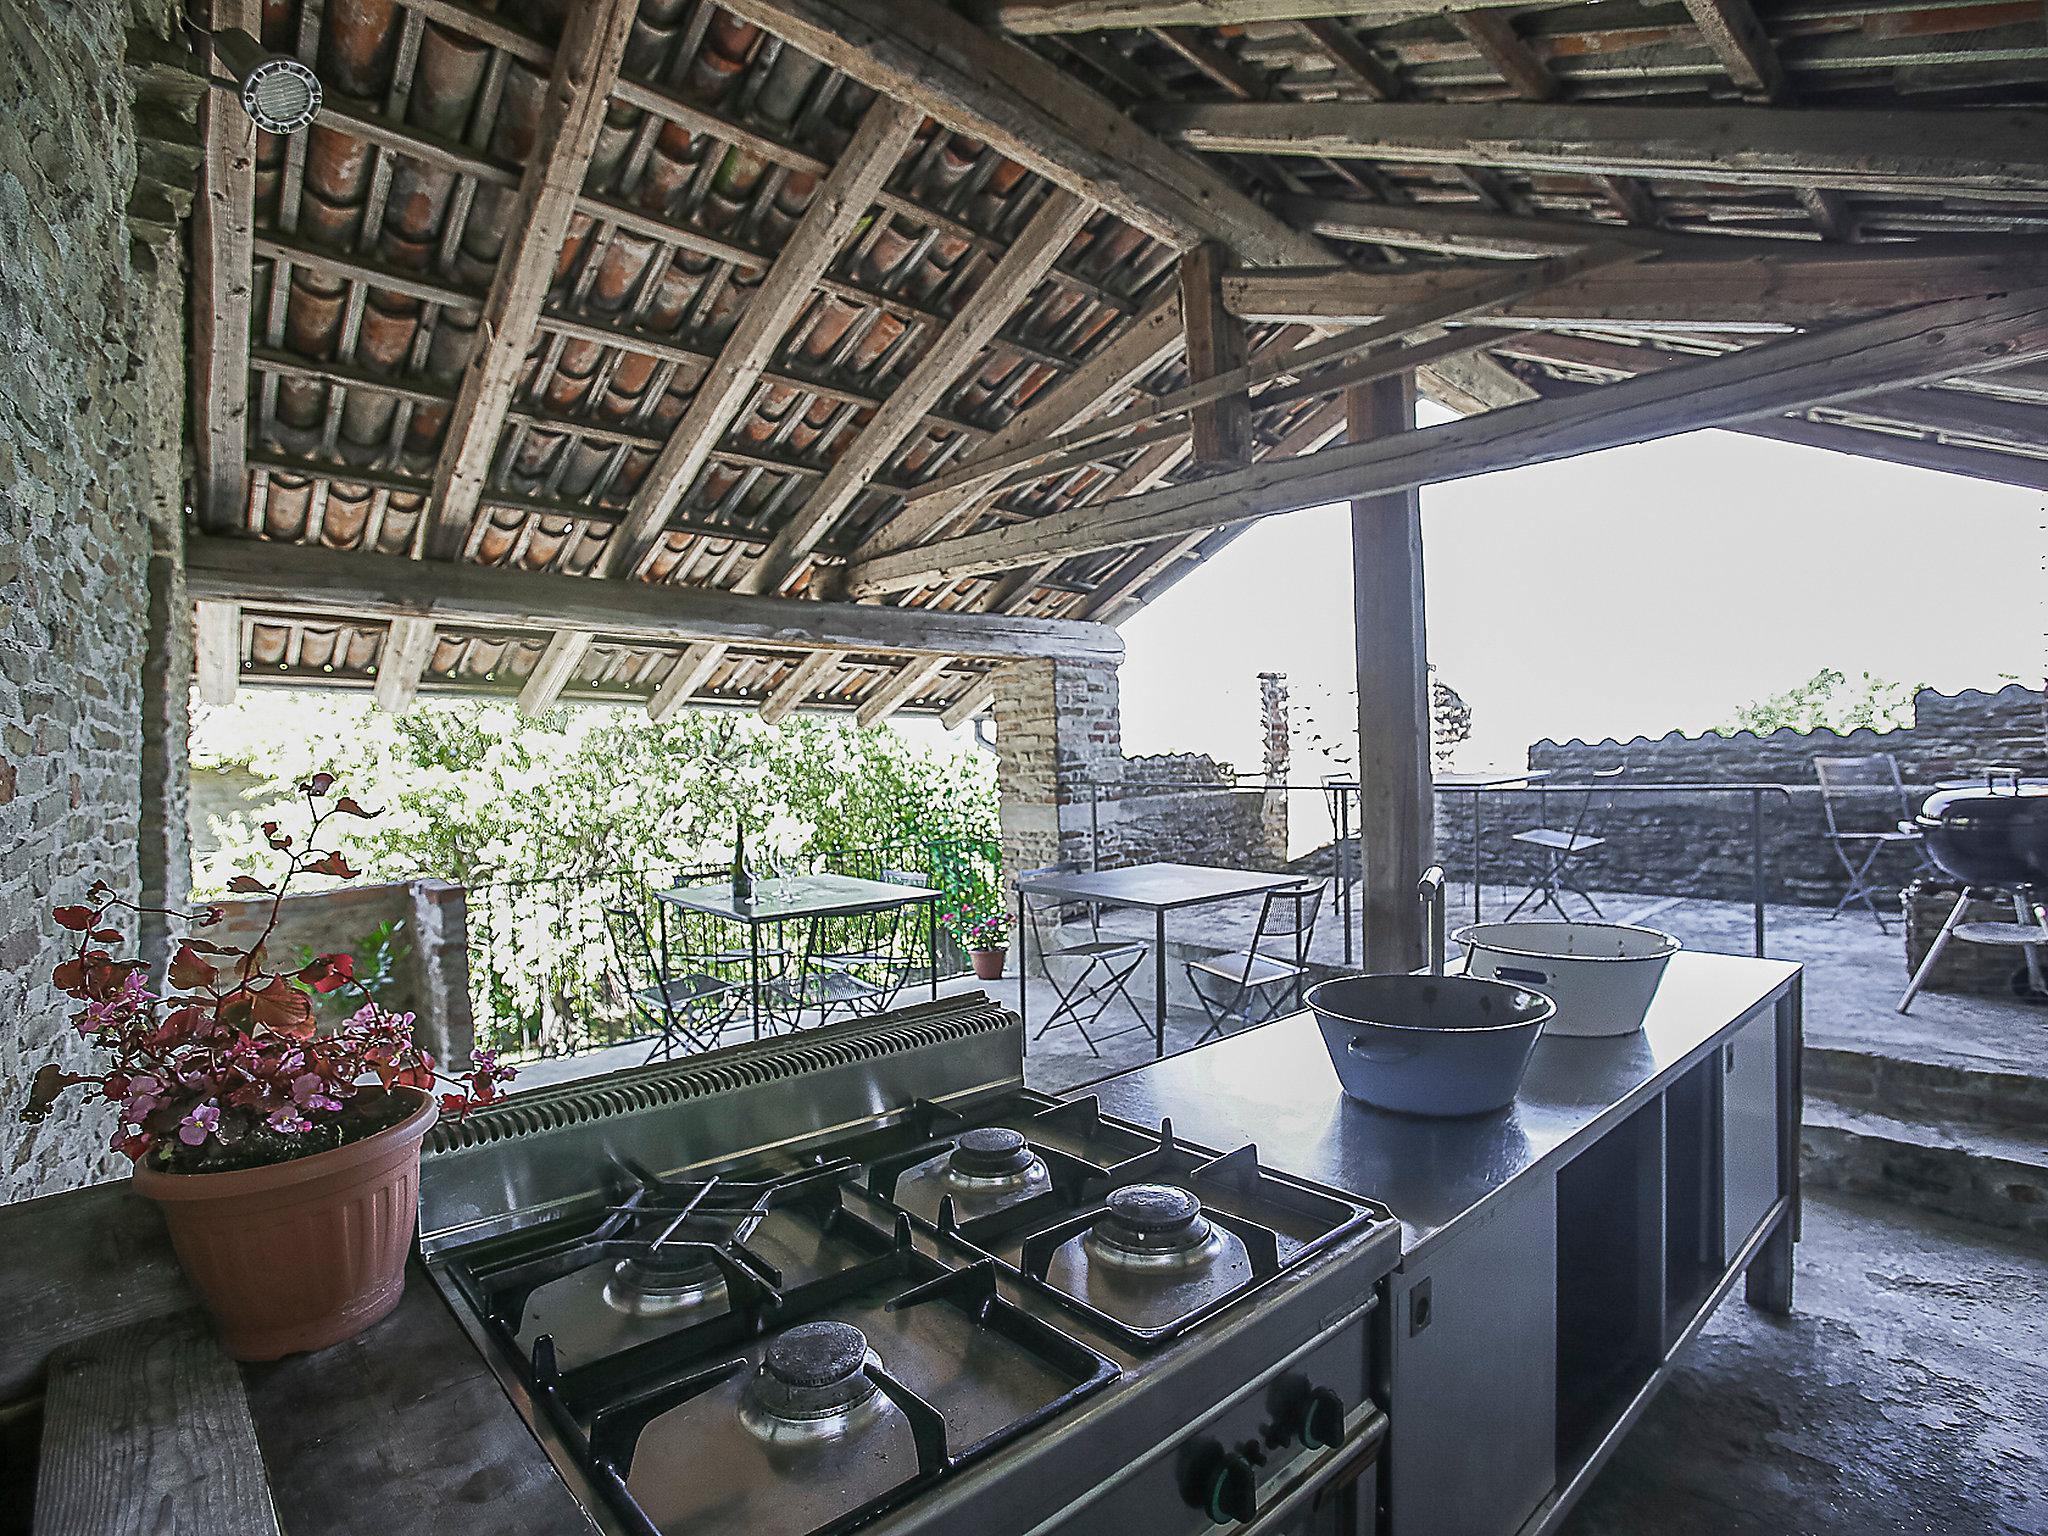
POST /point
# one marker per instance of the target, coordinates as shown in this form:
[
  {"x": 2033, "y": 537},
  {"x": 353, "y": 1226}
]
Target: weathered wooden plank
[
  {"x": 1352, "y": 56},
  {"x": 565, "y": 651},
  {"x": 403, "y": 1431},
  {"x": 1912, "y": 452},
  {"x": 1395, "y": 798},
  {"x": 586, "y": 66},
  {"x": 1055, "y": 224},
  {"x": 146, "y": 1429},
  {"x": 1792, "y": 284},
  {"x": 287, "y": 578},
  {"x": 1220, "y": 431},
  {"x": 223, "y": 229},
  {"x": 1738, "y": 40},
  {"x": 1989, "y": 152},
  {"x": 1923, "y": 345},
  {"x": 74, "y": 1265},
  {"x": 692, "y": 669},
  {"x": 899, "y": 690},
  {"x": 967, "y": 706},
  {"x": 1473, "y": 232},
  {"x": 1040, "y": 17},
  {"x": 408, "y": 643},
  {"x": 217, "y": 651},
  {"x": 798, "y": 685},
  {"x": 1034, "y": 112},
  {"x": 1493, "y": 34}
]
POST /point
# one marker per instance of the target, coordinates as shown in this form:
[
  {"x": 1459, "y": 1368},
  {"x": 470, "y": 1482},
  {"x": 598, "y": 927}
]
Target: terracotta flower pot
[
  {"x": 299, "y": 1255},
  {"x": 988, "y": 963}
]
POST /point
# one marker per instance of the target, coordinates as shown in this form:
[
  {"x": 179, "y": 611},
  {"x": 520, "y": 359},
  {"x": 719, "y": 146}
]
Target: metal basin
[{"x": 1429, "y": 1045}]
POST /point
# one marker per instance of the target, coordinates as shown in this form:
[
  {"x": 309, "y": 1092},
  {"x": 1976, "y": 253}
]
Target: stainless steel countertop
[{"x": 1274, "y": 1086}]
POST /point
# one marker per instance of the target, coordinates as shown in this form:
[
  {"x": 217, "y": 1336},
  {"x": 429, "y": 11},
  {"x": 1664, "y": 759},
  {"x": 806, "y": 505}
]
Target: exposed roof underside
[{"x": 385, "y": 236}]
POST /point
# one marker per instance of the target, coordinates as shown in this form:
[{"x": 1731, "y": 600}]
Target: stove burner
[
  {"x": 990, "y": 1152},
  {"x": 658, "y": 1283},
  {"x": 811, "y": 1380},
  {"x": 1151, "y": 1224}
]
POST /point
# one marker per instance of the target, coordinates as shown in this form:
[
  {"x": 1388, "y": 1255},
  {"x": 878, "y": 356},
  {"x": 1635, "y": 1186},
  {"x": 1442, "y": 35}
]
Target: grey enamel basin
[{"x": 1429, "y": 1045}]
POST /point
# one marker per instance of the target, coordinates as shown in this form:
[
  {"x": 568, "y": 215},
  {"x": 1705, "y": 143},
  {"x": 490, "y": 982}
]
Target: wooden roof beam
[
  {"x": 216, "y": 651},
  {"x": 1920, "y": 345},
  {"x": 802, "y": 679},
  {"x": 1035, "y": 18},
  {"x": 835, "y": 211},
  {"x": 1785, "y": 284},
  {"x": 1493, "y": 34},
  {"x": 892, "y": 694},
  {"x": 1738, "y": 40},
  {"x": 1220, "y": 430},
  {"x": 259, "y": 573},
  {"x": 1988, "y": 153},
  {"x": 223, "y": 254},
  {"x": 586, "y": 66}
]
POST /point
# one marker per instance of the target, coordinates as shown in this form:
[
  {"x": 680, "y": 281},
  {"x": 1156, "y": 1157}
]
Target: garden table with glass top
[
  {"x": 805, "y": 898},
  {"x": 1155, "y": 888}
]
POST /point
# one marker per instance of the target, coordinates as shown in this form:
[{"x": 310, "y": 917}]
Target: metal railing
[
  {"x": 546, "y": 980},
  {"x": 1340, "y": 800}
]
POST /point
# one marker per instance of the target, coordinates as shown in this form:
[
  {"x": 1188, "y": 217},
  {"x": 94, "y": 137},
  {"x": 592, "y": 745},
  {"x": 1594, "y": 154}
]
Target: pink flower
[
  {"x": 289, "y": 1121},
  {"x": 199, "y": 1124},
  {"x": 144, "y": 1093}
]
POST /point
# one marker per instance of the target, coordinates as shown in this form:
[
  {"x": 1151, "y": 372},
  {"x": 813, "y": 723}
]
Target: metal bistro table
[
  {"x": 1155, "y": 888},
  {"x": 803, "y": 898}
]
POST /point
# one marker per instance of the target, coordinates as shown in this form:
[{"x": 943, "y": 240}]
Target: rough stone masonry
[{"x": 91, "y": 390}]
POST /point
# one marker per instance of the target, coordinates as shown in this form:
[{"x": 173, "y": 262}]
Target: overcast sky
[{"x": 1624, "y": 592}]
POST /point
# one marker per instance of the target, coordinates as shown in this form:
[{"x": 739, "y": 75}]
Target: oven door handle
[{"x": 1347, "y": 1463}]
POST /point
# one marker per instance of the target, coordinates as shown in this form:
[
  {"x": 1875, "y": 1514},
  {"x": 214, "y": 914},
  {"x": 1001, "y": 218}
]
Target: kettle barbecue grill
[{"x": 1992, "y": 839}]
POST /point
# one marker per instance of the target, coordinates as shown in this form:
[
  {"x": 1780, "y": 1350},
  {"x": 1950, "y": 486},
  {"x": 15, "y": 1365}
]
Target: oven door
[{"x": 1340, "y": 1498}]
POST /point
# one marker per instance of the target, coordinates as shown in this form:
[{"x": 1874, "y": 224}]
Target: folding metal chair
[
  {"x": 689, "y": 1009},
  {"x": 1099, "y": 967},
  {"x": 1559, "y": 847},
  {"x": 1864, "y": 800},
  {"x": 1253, "y": 985}
]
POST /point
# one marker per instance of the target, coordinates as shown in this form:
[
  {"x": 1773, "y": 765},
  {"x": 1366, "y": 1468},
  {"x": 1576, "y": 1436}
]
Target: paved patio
[{"x": 1854, "y": 976}]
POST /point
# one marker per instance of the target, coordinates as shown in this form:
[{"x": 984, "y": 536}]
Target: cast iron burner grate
[{"x": 791, "y": 1353}]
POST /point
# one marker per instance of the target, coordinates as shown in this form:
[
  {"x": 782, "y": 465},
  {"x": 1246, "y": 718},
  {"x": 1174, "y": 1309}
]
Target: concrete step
[
  {"x": 1996, "y": 1176},
  {"x": 1931, "y": 1093}
]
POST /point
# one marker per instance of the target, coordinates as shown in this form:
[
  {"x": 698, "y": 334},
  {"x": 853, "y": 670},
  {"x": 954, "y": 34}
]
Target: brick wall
[{"x": 90, "y": 483}]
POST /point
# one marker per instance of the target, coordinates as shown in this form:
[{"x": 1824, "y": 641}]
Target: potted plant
[
  {"x": 286, "y": 1161},
  {"x": 986, "y": 938}
]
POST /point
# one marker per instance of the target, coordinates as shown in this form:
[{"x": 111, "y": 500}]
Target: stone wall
[
  {"x": 1059, "y": 732},
  {"x": 91, "y": 376},
  {"x": 430, "y": 978},
  {"x": 1698, "y": 844}
]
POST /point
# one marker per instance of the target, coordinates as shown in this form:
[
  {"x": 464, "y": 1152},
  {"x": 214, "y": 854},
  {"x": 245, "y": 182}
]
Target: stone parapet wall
[{"x": 91, "y": 486}]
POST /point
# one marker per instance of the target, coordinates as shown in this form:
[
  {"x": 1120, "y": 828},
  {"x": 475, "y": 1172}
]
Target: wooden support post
[
  {"x": 1221, "y": 429},
  {"x": 217, "y": 647},
  {"x": 223, "y": 231},
  {"x": 1396, "y": 813}
]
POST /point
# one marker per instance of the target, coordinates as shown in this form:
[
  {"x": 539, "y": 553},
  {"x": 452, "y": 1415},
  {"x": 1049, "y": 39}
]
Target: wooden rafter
[
  {"x": 586, "y": 66},
  {"x": 839, "y": 205},
  {"x": 1219, "y": 430},
  {"x": 285, "y": 578},
  {"x": 899, "y": 690},
  {"x": 1738, "y": 40},
  {"x": 217, "y": 651},
  {"x": 1485, "y": 291},
  {"x": 798, "y": 684},
  {"x": 1041, "y": 17},
  {"x": 223, "y": 229},
  {"x": 1921, "y": 345},
  {"x": 1493, "y": 34},
  {"x": 1986, "y": 153},
  {"x": 1783, "y": 284}
]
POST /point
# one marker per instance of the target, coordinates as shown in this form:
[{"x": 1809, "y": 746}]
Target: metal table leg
[
  {"x": 754, "y": 973},
  {"x": 931, "y": 942},
  {"x": 1478, "y": 837},
  {"x": 1023, "y": 963},
  {"x": 1159, "y": 984}
]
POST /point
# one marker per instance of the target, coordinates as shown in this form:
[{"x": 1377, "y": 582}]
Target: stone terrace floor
[{"x": 1854, "y": 977}]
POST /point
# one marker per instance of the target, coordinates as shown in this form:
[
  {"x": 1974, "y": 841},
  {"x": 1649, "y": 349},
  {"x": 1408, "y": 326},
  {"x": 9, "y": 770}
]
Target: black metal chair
[
  {"x": 1560, "y": 847},
  {"x": 688, "y": 1009},
  {"x": 1251, "y": 986},
  {"x": 1868, "y": 814},
  {"x": 1099, "y": 968}
]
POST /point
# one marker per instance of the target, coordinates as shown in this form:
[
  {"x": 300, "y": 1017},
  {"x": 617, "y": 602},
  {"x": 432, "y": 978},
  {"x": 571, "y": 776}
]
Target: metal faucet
[{"x": 1431, "y": 889}]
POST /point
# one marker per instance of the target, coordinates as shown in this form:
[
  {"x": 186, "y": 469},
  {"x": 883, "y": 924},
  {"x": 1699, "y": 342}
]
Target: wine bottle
[{"x": 742, "y": 876}]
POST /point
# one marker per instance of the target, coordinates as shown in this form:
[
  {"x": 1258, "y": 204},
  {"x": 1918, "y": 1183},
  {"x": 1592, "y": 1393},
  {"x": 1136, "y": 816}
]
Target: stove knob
[
  {"x": 1230, "y": 1489},
  {"x": 1319, "y": 1424}
]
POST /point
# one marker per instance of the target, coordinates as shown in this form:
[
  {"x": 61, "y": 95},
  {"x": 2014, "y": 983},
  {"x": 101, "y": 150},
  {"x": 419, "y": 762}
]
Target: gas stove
[{"x": 861, "y": 1277}]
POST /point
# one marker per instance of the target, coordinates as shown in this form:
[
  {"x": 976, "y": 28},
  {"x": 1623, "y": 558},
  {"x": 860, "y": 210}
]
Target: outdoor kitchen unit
[{"x": 863, "y": 1278}]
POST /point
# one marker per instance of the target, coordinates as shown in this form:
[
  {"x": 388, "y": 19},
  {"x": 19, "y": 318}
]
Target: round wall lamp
[{"x": 280, "y": 94}]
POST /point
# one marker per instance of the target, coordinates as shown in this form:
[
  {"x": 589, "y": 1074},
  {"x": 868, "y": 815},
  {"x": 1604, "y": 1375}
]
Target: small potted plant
[
  {"x": 986, "y": 938},
  {"x": 286, "y": 1161}
]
